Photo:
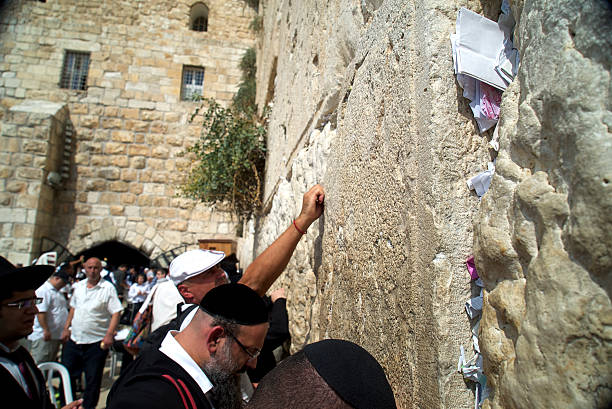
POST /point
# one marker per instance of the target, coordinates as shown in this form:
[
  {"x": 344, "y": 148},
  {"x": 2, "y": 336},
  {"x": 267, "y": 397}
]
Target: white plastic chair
[{"x": 48, "y": 369}]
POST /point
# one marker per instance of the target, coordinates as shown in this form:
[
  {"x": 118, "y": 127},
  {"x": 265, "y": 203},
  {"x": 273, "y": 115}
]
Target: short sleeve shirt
[
  {"x": 55, "y": 307},
  {"x": 93, "y": 308}
]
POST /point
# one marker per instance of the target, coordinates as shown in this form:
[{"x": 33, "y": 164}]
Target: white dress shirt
[
  {"x": 173, "y": 350},
  {"x": 93, "y": 308}
]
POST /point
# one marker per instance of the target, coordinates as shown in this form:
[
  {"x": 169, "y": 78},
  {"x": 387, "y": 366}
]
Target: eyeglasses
[
  {"x": 253, "y": 355},
  {"x": 26, "y": 303}
]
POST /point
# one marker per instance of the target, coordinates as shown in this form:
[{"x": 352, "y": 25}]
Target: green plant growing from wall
[{"x": 230, "y": 153}]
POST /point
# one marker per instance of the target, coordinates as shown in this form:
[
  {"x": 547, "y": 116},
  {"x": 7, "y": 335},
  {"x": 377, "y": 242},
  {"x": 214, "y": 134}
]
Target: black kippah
[
  {"x": 352, "y": 373},
  {"x": 236, "y": 303}
]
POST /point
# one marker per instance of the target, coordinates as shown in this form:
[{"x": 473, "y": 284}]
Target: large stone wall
[
  {"x": 384, "y": 266},
  {"x": 543, "y": 235},
  {"x": 31, "y": 147},
  {"x": 130, "y": 125}
]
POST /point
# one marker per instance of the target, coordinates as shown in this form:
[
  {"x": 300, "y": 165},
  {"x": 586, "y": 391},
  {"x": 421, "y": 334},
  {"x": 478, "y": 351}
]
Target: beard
[{"x": 225, "y": 393}]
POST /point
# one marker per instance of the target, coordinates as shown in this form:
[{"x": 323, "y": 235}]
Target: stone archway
[
  {"x": 148, "y": 243},
  {"x": 117, "y": 253}
]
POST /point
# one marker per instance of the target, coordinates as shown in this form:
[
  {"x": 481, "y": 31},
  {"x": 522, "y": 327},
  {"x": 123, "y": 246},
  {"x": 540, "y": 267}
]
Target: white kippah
[{"x": 193, "y": 262}]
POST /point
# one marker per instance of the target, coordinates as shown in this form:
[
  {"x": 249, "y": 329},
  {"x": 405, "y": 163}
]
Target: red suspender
[
  {"x": 193, "y": 405},
  {"x": 180, "y": 390}
]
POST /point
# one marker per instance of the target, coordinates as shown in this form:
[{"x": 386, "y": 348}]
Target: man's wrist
[{"x": 302, "y": 223}]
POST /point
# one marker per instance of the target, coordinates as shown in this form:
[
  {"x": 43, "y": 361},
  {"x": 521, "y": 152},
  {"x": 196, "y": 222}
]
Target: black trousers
[{"x": 89, "y": 358}]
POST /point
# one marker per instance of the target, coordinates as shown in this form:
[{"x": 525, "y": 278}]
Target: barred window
[
  {"x": 74, "y": 72},
  {"x": 198, "y": 17},
  {"x": 193, "y": 83},
  {"x": 200, "y": 24}
]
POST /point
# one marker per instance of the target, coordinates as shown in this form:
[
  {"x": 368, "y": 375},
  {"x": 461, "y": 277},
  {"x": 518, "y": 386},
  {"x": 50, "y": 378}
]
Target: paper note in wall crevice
[{"x": 477, "y": 47}]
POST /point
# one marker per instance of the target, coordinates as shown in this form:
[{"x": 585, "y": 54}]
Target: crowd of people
[{"x": 201, "y": 336}]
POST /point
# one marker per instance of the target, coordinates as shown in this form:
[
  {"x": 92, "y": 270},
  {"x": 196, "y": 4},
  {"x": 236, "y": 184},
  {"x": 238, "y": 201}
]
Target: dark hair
[
  {"x": 225, "y": 324},
  {"x": 294, "y": 383}
]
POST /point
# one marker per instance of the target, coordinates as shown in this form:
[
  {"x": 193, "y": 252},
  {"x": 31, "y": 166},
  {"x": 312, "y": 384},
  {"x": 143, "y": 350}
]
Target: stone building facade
[{"x": 120, "y": 138}]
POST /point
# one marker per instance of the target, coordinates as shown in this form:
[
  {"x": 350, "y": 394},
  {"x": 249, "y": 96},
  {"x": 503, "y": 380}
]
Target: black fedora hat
[{"x": 23, "y": 278}]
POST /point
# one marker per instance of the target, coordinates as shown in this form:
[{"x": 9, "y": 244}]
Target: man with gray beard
[{"x": 198, "y": 367}]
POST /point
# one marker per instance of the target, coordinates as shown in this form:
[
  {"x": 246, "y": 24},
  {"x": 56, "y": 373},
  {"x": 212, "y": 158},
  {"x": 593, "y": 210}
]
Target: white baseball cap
[{"x": 193, "y": 262}]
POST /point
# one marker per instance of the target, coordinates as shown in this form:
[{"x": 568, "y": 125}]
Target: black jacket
[
  {"x": 154, "y": 381},
  {"x": 14, "y": 393}
]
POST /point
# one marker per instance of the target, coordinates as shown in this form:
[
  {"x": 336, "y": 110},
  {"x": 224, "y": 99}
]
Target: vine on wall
[{"x": 230, "y": 153}]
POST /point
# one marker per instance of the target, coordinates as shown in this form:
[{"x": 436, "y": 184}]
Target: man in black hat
[
  {"x": 197, "y": 367},
  {"x": 331, "y": 374},
  {"x": 22, "y": 382}
]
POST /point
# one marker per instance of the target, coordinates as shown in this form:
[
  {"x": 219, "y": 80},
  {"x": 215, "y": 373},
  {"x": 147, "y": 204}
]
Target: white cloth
[
  {"x": 173, "y": 350},
  {"x": 134, "y": 295},
  {"x": 93, "y": 308},
  {"x": 55, "y": 307},
  {"x": 165, "y": 297}
]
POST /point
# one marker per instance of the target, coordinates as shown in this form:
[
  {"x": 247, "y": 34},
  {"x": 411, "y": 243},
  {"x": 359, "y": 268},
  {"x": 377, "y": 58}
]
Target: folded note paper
[
  {"x": 478, "y": 43},
  {"x": 481, "y": 182}
]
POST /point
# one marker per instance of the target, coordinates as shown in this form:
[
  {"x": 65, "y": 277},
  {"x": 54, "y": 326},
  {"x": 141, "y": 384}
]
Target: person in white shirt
[
  {"x": 136, "y": 295},
  {"x": 90, "y": 329},
  {"x": 151, "y": 279},
  {"x": 164, "y": 298},
  {"x": 52, "y": 314}
]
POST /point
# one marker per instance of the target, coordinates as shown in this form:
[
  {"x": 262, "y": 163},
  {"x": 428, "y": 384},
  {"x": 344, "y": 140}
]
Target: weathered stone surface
[
  {"x": 386, "y": 269},
  {"x": 542, "y": 236}
]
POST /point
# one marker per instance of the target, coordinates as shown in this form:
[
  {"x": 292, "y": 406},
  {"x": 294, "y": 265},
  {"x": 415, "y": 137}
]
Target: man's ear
[{"x": 213, "y": 339}]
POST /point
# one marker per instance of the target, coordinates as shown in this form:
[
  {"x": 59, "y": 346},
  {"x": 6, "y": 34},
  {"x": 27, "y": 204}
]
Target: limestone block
[
  {"x": 29, "y": 173},
  {"x": 121, "y": 162},
  {"x": 95, "y": 185},
  {"x": 139, "y": 150},
  {"x": 136, "y": 188},
  {"x": 37, "y": 147},
  {"x": 87, "y": 121},
  {"x": 111, "y": 111},
  {"x": 21, "y": 159},
  {"x": 5, "y": 199},
  {"x": 119, "y": 186},
  {"x": 109, "y": 173},
  {"x": 138, "y": 163},
  {"x": 129, "y": 113},
  {"x": 160, "y": 152},
  {"x": 6, "y": 172},
  {"x": 111, "y": 123},
  {"x": 123, "y": 136}
]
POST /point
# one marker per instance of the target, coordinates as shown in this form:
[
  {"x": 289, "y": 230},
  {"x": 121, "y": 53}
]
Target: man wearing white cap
[{"x": 196, "y": 272}]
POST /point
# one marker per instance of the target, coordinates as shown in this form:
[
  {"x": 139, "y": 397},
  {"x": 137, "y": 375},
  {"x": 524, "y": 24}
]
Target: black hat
[
  {"x": 236, "y": 303},
  {"x": 352, "y": 373},
  {"x": 61, "y": 273},
  {"x": 30, "y": 277}
]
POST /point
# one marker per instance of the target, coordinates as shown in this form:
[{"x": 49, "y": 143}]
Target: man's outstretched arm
[{"x": 266, "y": 268}]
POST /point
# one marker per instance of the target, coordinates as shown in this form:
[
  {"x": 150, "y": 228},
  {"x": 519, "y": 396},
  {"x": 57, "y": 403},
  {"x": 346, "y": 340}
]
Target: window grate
[
  {"x": 193, "y": 83},
  {"x": 200, "y": 24},
  {"x": 74, "y": 72}
]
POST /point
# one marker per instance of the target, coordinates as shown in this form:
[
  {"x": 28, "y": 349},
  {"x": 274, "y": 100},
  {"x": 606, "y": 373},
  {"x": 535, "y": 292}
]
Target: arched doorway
[{"x": 116, "y": 253}]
